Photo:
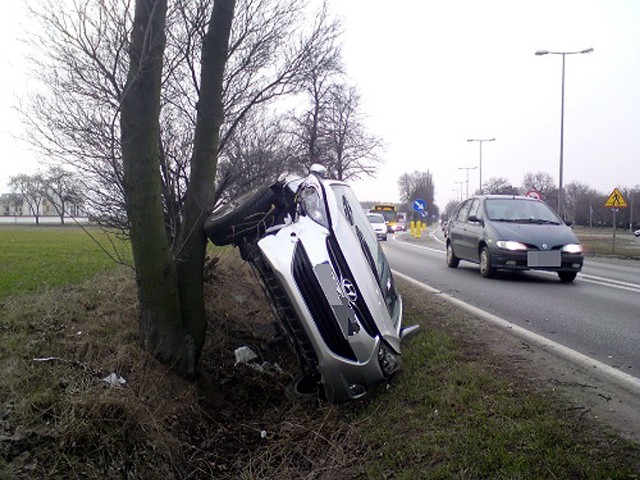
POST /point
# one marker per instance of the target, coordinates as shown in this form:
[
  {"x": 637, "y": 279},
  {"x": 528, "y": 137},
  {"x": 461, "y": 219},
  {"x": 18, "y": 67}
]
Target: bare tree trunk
[
  {"x": 199, "y": 200},
  {"x": 156, "y": 276},
  {"x": 172, "y": 319}
]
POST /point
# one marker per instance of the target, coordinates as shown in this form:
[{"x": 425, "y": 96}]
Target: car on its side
[
  {"x": 379, "y": 225},
  {"x": 327, "y": 278},
  {"x": 512, "y": 233}
]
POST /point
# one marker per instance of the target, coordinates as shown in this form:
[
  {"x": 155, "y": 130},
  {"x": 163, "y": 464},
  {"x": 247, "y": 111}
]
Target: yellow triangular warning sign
[{"x": 616, "y": 200}]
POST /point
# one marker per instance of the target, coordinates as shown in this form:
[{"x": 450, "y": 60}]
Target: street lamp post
[
  {"x": 467, "y": 169},
  {"x": 460, "y": 189},
  {"x": 480, "y": 140},
  {"x": 564, "y": 54}
]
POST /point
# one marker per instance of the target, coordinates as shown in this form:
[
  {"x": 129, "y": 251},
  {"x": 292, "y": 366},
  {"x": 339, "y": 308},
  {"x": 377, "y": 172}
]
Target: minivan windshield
[
  {"x": 370, "y": 247},
  {"x": 375, "y": 218},
  {"x": 520, "y": 210}
]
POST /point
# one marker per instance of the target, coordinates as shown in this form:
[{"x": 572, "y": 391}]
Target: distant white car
[
  {"x": 637, "y": 233},
  {"x": 379, "y": 225}
]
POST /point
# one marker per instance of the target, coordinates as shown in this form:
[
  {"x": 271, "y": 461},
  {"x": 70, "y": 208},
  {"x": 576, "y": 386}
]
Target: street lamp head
[
  {"x": 542, "y": 52},
  {"x": 588, "y": 50}
]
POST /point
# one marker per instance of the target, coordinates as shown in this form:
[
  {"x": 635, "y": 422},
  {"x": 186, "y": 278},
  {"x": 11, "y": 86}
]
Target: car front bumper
[{"x": 518, "y": 260}]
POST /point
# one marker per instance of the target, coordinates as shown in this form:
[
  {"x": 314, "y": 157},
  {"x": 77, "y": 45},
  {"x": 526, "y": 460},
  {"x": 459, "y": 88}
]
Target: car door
[
  {"x": 472, "y": 231},
  {"x": 457, "y": 230}
]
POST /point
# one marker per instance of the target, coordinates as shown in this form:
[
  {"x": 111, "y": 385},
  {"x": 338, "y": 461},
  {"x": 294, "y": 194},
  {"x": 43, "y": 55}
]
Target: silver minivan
[{"x": 327, "y": 277}]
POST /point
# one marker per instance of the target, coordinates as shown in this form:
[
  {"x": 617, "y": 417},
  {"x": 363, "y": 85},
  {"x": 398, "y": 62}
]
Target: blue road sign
[{"x": 419, "y": 205}]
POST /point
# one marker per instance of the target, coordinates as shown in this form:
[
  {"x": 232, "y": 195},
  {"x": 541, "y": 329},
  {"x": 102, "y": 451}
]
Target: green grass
[
  {"x": 599, "y": 241},
  {"x": 454, "y": 417},
  {"x": 33, "y": 258},
  {"x": 453, "y": 412}
]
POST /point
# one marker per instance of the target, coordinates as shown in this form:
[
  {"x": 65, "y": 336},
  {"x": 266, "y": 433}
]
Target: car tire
[
  {"x": 486, "y": 270},
  {"x": 384, "y": 239},
  {"x": 452, "y": 260},
  {"x": 247, "y": 216},
  {"x": 566, "y": 277}
]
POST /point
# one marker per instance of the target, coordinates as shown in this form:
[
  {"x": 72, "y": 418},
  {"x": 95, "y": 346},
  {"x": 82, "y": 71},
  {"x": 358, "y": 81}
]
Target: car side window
[
  {"x": 475, "y": 209},
  {"x": 463, "y": 213}
]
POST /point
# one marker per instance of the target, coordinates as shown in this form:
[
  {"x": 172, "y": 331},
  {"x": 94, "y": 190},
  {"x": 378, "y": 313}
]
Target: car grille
[{"x": 318, "y": 305}]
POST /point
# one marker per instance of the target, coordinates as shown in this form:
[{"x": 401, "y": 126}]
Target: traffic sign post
[{"x": 615, "y": 202}]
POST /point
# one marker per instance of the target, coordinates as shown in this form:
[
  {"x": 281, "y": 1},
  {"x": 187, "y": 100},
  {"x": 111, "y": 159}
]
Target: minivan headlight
[
  {"x": 572, "y": 248},
  {"x": 313, "y": 206},
  {"x": 511, "y": 245}
]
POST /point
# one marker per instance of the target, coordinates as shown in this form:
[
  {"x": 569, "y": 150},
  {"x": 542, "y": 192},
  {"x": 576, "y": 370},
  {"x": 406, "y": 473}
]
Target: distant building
[{"x": 14, "y": 205}]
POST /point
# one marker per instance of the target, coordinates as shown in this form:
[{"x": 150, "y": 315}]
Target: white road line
[{"x": 623, "y": 379}]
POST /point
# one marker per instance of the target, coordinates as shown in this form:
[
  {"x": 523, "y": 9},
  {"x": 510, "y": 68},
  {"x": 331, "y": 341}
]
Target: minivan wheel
[
  {"x": 486, "y": 270},
  {"x": 452, "y": 260},
  {"x": 567, "y": 277}
]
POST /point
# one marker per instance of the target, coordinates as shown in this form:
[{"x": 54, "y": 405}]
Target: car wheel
[
  {"x": 567, "y": 277},
  {"x": 384, "y": 239},
  {"x": 247, "y": 216},
  {"x": 452, "y": 260},
  {"x": 486, "y": 270}
]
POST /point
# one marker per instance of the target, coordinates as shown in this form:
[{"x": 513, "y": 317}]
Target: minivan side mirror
[{"x": 473, "y": 218}]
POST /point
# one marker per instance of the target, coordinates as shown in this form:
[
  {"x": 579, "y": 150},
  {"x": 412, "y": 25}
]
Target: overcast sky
[{"x": 435, "y": 73}]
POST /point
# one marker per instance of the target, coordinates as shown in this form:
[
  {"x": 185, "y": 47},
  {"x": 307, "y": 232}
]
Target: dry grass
[{"x": 59, "y": 420}]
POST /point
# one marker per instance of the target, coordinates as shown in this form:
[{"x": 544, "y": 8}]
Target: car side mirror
[
  {"x": 473, "y": 218},
  {"x": 568, "y": 223}
]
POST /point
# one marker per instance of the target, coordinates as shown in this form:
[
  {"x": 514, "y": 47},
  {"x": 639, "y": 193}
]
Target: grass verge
[{"x": 45, "y": 256}]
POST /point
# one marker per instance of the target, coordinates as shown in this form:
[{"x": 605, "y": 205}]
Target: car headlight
[
  {"x": 572, "y": 248},
  {"x": 511, "y": 245},
  {"x": 313, "y": 206}
]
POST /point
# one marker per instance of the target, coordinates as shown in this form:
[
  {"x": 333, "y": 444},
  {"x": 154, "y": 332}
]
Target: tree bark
[
  {"x": 171, "y": 293},
  {"x": 199, "y": 200},
  {"x": 156, "y": 276}
]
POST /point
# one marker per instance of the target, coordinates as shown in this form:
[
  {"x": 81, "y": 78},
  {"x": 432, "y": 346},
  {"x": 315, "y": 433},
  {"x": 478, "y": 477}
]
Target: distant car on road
[
  {"x": 637, "y": 233},
  {"x": 512, "y": 232},
  {"x": 379, "y": 225}
]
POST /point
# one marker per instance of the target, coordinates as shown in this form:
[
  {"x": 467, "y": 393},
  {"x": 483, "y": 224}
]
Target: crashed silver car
[{"x": 327, "y": 278}]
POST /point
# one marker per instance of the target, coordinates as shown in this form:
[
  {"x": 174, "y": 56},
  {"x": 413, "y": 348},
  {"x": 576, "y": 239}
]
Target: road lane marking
[{"x": 623, "y": 379}]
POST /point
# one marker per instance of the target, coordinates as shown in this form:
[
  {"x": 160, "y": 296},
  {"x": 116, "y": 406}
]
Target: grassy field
[
  {"x": 599, "y": 241},
  {"x": 35, "y": 257}
]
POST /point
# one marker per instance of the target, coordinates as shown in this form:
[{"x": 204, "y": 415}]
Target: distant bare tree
[
  {"x": 352, "y": 151},
  {"x": 61, "y": 190},
  {"x": 30, "y": 187},
  {"x": 499, "y": 185}
]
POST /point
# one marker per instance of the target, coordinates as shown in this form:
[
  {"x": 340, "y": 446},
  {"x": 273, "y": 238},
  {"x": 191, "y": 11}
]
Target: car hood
[{"x": 535, "y": 234}]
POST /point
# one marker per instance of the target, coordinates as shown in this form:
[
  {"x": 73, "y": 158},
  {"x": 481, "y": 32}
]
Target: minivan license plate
[{"x": 544, "y": 259}]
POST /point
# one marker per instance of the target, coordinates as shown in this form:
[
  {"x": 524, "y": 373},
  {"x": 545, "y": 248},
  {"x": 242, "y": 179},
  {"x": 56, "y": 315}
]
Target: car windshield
[
  {"x": 375, "y": 218},
  {"x": 520, "y": 210}
]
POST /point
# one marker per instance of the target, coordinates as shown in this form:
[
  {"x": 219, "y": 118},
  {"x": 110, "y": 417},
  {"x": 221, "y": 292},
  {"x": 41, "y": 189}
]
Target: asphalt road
[{"x": 597, "y": 315}]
